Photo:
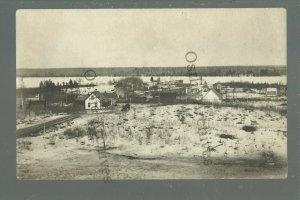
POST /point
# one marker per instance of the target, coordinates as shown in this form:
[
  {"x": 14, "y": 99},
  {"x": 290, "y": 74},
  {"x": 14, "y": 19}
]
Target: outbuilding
[
  {"x": 271, "y": 92},
  {"x": 212, "y": 96}
]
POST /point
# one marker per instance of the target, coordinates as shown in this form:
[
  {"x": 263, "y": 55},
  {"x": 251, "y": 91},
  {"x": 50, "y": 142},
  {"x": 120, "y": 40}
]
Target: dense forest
[{"x": 157, "y": 71}]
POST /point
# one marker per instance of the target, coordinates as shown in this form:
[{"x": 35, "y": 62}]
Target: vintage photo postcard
[{"x": 114, "y": 94}]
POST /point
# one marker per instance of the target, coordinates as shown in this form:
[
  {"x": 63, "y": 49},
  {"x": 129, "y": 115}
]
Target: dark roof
[
  {"x": 186, "y": 84},
  {"x": 108, "y": 95},
  {"x": 96, "y": 93},
  {"x": 105, "y": 95},
  {"x": 168, "y": 91},
  {"x": 99, "y": 95},
  {"x": 81, "y": 97}
]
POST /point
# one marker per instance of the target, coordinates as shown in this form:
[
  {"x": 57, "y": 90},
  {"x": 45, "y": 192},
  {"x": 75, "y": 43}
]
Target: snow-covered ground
[
  {"x": 162, "y": 130},
  {"x": 170, "y": 135}
]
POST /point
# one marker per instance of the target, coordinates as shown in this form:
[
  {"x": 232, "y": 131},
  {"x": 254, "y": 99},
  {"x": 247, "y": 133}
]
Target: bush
[
  {"x": 25, "y": 145},
  {"x": 227, "y": 136},
  {"x": 52, "y": 140},
  {"x": 92, "y": 131},
  {"x": 75, "y": 132},
  {"x": 249, "y": 128}
]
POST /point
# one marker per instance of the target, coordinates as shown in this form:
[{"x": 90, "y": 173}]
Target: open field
[{"x": 165, "y": 142}]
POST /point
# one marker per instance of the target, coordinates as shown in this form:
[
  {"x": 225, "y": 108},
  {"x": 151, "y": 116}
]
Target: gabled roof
[
  {"x": 186, "y": 84},
  {"x": 96, "y": 93},
  {"x": 108, "y": 95},
  {"x": 216, "y": 93}
]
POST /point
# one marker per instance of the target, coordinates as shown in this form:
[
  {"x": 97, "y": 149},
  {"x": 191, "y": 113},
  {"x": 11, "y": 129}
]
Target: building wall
[
  {"x": 120, "y": 92},
  {"x": 107, "y": 102}
]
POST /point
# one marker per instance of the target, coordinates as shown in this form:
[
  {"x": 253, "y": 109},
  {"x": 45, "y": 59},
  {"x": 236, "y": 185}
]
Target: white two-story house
[{"x": 92, "y": 102}]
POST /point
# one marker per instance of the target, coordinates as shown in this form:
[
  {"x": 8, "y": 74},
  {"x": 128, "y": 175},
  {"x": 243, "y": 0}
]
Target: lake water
[{"x": 102, "y": 81}]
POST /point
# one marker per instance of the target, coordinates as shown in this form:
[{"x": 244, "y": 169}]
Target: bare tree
[{"x": 96, "y": 130}]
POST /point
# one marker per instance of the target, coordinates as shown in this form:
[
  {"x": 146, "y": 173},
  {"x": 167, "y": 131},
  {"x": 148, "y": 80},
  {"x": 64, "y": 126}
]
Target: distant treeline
[
  {"x": 251, "y": 85},
  {"x": 157, "y": 71},
  {"x": 52, "y": 87}
]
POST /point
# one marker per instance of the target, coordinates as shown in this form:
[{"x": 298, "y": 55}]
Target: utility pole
[
  {"x": 66, "y": 96},
  {"x": 44, "y": 126},
  {"x": 158, "y": 96},
  {"x": 233, "y": 93}
]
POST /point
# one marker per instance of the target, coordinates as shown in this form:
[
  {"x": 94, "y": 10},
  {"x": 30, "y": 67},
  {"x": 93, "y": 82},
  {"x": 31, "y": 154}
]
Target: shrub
[
  {"x": 94, "y": 122},
  {"x": 75, "y": 132},
  {"x": 249, "y": 128},
  {"x": 52, "y": 140},
  {"x": 182, "y": 118},
  {"x": 91, "y": 131},
  {"x": 268, "y": 158},
  {"x": 227, "y": 136},
  {"x": 25, "y": 145},
  {"x": 283, "y": 112},
  {"x": 152, "y": 112}
]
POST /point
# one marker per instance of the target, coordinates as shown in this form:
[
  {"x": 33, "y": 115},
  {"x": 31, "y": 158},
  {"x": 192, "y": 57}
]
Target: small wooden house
[
  {"x": 92, "y": 102},
  {"x": 271, "y": 92}
]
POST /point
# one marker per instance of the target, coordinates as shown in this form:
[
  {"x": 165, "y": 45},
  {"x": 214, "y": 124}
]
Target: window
[
  {"x": 96, "y": 105},
  {"x": 89, "y": 105}
]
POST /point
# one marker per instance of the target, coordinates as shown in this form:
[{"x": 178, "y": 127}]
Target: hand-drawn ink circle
[
  {"x": 90, "y": 75},
  {"x": 191, "y": 56}
]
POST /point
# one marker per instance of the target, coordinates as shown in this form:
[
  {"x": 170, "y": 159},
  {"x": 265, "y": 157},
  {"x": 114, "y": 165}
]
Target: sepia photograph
[{"x": 143, "y": 94}]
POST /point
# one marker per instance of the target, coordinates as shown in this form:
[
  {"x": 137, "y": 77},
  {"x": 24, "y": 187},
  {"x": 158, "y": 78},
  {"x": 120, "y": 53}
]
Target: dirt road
[
  {"x": 92, "y": 163},
  {"x": 32, "y": 130}
]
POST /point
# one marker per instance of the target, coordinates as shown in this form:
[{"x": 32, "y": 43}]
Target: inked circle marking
[
  {"x": 191, "y": 56},
  {"x": 90, "y": 75}
]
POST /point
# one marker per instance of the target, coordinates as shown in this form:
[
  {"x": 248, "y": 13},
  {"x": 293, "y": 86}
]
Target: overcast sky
[{"x": 150, "y": 37}]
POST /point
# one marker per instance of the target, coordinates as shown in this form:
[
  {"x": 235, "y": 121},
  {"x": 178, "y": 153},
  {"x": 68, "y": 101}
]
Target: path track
[{"x": 31, "y": 130}]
